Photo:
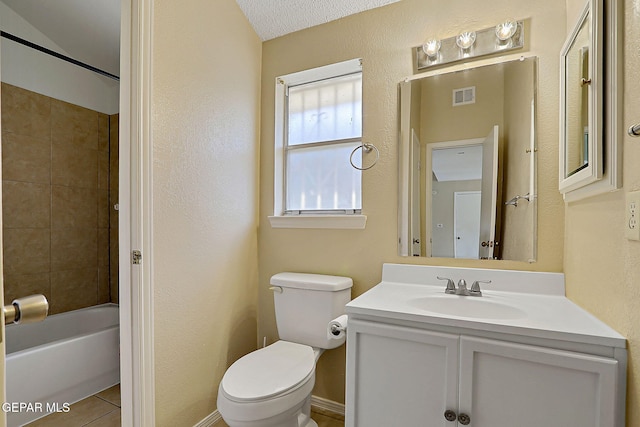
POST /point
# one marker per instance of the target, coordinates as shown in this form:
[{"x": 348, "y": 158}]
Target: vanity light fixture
[
  {"x": 431, "y": 48},
  {"x": 466, "y": 40},
  {"x": 505, "y": 36}
]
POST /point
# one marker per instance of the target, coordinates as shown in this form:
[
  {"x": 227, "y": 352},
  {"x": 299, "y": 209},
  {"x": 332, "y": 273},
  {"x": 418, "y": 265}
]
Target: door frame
[{"x": 135, "y": 216}]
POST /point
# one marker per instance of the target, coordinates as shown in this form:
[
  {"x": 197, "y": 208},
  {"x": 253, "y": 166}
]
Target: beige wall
[
  {"x": 518, "y": 222},
  {"x": 383, "y": 38},
  {"x": 205, "y": 102},
  {"x": 602, "y": 267},
  {"x": 55, "y": 191}
]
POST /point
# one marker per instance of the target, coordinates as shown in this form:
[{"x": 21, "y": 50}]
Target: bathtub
[{"x": 64, "y": 359}]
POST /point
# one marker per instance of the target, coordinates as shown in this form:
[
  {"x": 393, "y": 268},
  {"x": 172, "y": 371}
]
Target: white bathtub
[{"x": 64, "y": 359}]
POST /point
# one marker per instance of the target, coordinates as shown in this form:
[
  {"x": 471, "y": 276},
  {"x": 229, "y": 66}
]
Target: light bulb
[
  {"x": 431, "y": 48},
  {"x": 506, "y": 29},
  {"x": 466, "y": 40}
]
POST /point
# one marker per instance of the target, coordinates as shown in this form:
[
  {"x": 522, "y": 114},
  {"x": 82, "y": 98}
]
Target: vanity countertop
[{"x": 520, "y": 303}]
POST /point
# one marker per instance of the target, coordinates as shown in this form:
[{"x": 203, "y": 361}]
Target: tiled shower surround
[{"x": 58, "y": 196}]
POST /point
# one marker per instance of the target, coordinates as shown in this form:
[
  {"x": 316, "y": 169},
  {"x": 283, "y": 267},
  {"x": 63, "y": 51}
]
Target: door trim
[{"x": 136, "y": 293}]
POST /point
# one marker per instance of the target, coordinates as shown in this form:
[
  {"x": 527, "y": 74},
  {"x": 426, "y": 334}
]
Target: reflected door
[
  {"x": 489, "y": 194},
  {"x": 466, "y": 224}
]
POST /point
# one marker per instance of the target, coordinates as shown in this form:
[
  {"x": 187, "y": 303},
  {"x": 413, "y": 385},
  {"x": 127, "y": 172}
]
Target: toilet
[{"x": 272, "y": 386}]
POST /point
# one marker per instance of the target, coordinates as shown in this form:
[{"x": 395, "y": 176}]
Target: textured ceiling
[
  {"x": 88, "y": 30},
  {"x": 275, "y": 18}
]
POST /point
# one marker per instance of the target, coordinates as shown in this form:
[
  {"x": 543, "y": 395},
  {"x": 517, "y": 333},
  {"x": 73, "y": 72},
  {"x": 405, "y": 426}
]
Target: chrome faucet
[{"x": 462, "y": 287}]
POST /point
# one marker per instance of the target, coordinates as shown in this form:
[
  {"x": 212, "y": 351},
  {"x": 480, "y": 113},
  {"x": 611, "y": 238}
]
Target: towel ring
[{"x": 367, "y": 148}]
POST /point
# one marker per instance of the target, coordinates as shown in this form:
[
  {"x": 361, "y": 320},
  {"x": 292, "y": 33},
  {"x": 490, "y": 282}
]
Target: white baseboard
[
  {"x": 327, "y": 405},
  {"x": 316, "y": 402},
  {"x": 210, "y": 420}
]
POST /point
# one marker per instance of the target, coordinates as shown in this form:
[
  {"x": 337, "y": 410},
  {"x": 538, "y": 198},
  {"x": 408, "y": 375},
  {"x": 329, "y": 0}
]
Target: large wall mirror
[{"x": 468, "y": 163}]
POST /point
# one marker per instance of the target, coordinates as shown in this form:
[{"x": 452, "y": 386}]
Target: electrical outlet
[{"x": 632, "y": 216}]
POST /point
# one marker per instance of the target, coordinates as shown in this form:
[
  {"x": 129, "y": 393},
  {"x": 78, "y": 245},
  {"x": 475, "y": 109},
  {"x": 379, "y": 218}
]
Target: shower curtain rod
[{"x": 57, "y": 55}]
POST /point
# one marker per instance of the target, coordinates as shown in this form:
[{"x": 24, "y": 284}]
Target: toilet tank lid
[{"x": 315, "y": 282}]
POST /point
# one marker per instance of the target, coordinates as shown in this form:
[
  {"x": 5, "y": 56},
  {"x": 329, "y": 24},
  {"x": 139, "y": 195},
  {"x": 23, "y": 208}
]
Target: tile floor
[
  {"x": 323, "y": 418},
  {"x": 99, "y": 410},
  {"x": 103, "y": 410}
]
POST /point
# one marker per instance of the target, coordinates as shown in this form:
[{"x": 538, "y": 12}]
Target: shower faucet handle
[{"x": 451, "y": 287}]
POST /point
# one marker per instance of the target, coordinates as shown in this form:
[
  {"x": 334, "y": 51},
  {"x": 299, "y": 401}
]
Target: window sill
[{"x": 344, "y": 222}]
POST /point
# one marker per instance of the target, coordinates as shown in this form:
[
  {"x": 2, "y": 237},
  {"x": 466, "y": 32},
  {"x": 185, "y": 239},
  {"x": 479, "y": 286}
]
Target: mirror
[
  {"x": 581, "y": 113},
  {"x": 468, "y": 163}
]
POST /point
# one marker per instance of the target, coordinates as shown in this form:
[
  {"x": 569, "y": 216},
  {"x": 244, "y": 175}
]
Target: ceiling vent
[{"x": 464, "y": 96}]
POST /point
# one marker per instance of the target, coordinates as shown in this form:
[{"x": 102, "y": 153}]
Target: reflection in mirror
[
  {"x": 467, "y": 163},
  {"x": 577, "y": 94}
]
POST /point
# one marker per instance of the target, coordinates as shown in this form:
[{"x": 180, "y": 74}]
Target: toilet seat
[{"x": 269, "y": 372}]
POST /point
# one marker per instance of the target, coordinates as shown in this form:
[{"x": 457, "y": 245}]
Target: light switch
[{"x": 632, "y": 216}]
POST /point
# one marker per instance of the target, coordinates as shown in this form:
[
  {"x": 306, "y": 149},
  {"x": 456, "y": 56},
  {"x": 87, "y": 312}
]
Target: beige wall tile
[
  {"x": 21, "y": 285},
  {"x": 103, "y": 132},
  {"x": 25, "y": 112},
  {"x": 103, "y": 247},
  {"x": 73, "y": 207},
  {"x": 73, "y": 289},
  {"x": 103, "y": 170},
  {"x": 26, "y": 205},
  {"x": 74, "y": 248},
  {"x": 103, "y": 209},
  {"x": 104, "y": 294},
  {"x": 26, "y": 250},
  {"x": 72, "y": 125},
  {"x": 74, "y": 167},
  {"x": 25, "y": 158}
]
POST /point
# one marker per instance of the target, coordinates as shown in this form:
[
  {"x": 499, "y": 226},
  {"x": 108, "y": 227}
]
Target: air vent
[{"x": 464, "y": 96}]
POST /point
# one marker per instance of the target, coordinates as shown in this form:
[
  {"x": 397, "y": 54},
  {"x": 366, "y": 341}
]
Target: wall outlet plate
[{"x": 632, "y": 216}]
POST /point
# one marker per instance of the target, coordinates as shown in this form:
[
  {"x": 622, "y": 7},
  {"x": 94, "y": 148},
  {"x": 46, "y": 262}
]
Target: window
[{"x": 318, "y": 127}]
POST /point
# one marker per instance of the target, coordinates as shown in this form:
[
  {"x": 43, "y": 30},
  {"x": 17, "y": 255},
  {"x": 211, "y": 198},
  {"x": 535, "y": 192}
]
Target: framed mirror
[
  {"x": 581, "y": 136},
  {"x": 590, "y": 150},
  {"x": 468, "y": 163}
]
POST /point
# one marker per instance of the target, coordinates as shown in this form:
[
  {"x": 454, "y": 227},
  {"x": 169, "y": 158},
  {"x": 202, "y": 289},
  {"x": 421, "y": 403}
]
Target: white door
[
  {"x": 489, "y": 194},
  {"x": 396, "y": 373},
  {"x": 415, "y": 195},
  {"x": 506, "y": 385},
  {"x": 466, "y": 224}
]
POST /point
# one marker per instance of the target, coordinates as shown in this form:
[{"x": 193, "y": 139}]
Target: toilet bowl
[{"x": 270, "y": 387}]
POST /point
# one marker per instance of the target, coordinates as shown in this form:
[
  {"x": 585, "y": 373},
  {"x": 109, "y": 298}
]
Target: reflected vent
[{"x": 464, "y": 96}]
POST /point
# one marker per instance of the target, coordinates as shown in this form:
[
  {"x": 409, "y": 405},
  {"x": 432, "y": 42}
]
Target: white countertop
[{"x": 548, "y": 314}]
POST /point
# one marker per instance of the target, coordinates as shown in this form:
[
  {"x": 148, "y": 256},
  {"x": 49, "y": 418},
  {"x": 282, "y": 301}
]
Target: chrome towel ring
[{"x": 366, "y": 148}]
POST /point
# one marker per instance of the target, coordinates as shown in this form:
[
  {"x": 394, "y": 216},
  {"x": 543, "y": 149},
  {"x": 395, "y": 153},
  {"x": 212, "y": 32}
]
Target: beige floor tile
[
  {"x": 81, "y": 413},
  {"x": 111, "y": 395},
  {"x": 323, "y": 419},
  {"x": 112, "y": 419}
]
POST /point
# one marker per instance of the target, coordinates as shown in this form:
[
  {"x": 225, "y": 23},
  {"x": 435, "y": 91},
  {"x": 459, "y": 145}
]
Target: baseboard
[
  {"x": 316, "y": 402},
  {"x": 210, "y": 420},
  {"x": 327, "y": 405}
]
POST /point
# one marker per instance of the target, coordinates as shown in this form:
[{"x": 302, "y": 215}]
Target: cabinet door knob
[
  {"x": 464, "y": 419},
  {"x": 449, "y": 415}
]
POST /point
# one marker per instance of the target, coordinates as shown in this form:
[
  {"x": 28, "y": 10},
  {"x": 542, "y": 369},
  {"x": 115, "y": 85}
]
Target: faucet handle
[
  {"x": 475, "y": 287},
  {"x": 451, "y": 287}
]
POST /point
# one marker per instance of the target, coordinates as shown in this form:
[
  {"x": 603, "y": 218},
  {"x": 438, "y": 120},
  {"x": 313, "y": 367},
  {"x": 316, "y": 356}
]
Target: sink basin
[{"x": 465, "y": 306}]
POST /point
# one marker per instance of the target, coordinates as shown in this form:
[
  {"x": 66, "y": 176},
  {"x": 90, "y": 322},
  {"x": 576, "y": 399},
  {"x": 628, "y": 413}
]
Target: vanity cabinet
[{"x": 409, "y": 376}]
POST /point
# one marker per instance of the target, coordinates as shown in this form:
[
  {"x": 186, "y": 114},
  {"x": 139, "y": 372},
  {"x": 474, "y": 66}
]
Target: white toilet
[{"x": 272, "y": 386}]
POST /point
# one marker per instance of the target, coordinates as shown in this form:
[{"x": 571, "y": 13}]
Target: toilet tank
[{"x": 306, "y": 303}]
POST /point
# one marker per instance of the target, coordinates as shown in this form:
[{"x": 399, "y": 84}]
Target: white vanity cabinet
[
  {"x": 521, "y": 355},
  {"x": 400, "y": 376}
]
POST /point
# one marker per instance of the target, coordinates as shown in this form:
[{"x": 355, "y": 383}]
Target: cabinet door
[
  {"x": 506, "y": 385},
  {"x": 399, "y": 376}
]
